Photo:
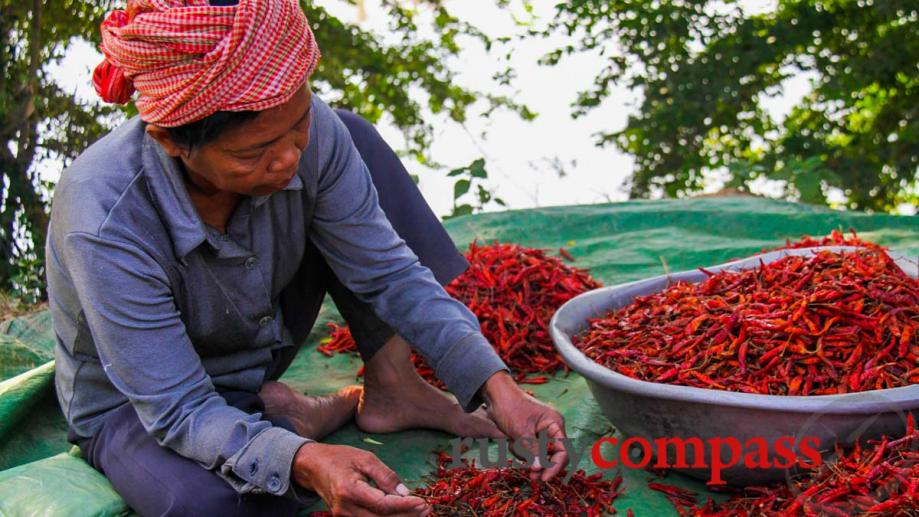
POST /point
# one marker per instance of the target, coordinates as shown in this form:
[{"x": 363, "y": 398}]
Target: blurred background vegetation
[{"x": 703, "y": 69}]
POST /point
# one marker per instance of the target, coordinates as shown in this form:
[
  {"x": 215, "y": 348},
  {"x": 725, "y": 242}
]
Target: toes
[
  {"x": 351, "y": 392},
  {"x": 476, "y": 425},
  {"x": 488, "y": 429},
  {"x": 494, "y": 432}
]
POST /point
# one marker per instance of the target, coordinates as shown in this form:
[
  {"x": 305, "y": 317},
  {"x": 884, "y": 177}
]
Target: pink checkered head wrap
[{"x": 189, "y": 59}]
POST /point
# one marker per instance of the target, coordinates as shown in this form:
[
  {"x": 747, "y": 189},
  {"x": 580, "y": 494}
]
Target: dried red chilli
[
  {"x": 513, "y": 291},
  {"x": 339, "y": 340},
  {"x": 506, "y": 492},
  {"x": 835, "y": 238},
  {"x": 803, "y": 325},
  {"x": 566, "y": 254},
  {"x": 879, "y": 479},
  {"x": 678, "y": 496}
]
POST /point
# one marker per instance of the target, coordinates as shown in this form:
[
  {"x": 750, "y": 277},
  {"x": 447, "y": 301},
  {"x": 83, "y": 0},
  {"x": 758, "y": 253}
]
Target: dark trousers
[{"x": 155, "y": 480}]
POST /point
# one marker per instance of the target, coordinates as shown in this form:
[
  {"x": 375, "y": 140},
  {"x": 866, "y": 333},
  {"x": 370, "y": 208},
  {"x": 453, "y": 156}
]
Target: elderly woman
[{"x": 189, "y": 252}]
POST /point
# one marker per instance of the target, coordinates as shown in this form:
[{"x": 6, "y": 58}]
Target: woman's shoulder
[
  {"x": 96, "y": 189},
  {"x": 110, "y": 156}
]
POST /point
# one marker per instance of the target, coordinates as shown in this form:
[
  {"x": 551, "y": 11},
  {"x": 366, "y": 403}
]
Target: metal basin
[{"x": 653, "y": 411}]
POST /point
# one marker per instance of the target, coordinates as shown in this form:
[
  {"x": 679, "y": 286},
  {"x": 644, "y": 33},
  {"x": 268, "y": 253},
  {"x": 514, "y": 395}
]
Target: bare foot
[
  {"x": 312, "y": 416},
  {"x": 413, "y": 403}
]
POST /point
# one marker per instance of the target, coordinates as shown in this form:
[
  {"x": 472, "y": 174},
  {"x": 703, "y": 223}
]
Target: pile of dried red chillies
[
  {"x": 835, "y": 238},
  {"x": 880, "y": 479},
  {"x": 470, "y": 491},
  {"x": 819, "y": 324},
  {"x": 513, "y": 291}
]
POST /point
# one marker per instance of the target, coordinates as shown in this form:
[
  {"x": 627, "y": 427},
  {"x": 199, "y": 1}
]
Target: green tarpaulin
[{"x": 40, "y": 475}]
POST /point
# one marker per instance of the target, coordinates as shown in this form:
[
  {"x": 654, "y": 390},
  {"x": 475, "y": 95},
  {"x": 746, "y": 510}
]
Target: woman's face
[{"x": 255, "y": 158}]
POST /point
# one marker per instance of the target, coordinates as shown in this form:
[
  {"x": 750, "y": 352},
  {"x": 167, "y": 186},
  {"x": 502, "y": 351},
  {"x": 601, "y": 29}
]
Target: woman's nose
[{"x": 286, "y": 159}]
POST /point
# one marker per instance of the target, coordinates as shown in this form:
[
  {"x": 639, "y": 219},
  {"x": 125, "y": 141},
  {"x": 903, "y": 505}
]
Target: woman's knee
[
  {"x": 386, "y": 169},
  {"x": 359, "y": 128}
]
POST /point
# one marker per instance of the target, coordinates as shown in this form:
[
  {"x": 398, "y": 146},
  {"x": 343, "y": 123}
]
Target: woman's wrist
[
  {"x": 302, "y": 471},
  {"x": 499, "y": 387}
]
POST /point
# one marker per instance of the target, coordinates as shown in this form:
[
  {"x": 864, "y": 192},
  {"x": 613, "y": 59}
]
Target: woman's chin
[{"x": 265, "y": 190}]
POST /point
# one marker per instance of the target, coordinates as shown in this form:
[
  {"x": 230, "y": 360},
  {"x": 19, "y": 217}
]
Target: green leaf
[
  {"x": 462, "y": 210},
  {"x": 477, "y": 169},
  {"x": 808, "y": 185},
  {"x": 483, "y": 194},
  {"x": 460, "y": 188}
]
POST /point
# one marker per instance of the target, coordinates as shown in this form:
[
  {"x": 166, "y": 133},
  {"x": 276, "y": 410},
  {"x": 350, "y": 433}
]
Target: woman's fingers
[
  {"x": 382, "y": 476},
  {"x": 361, "y": 512},
  {"x": 390, "y": 496},
  {"x": 559, "y": 458},
  {"x": 361, "y": 496}
]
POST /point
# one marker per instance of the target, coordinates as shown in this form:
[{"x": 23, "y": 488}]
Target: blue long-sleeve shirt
[{"x": 153, "y": 308}]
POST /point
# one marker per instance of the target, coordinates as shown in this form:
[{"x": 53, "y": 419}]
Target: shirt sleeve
[
  {"x": 367, "y": 255},
  {"x": 146, "y": 353}
]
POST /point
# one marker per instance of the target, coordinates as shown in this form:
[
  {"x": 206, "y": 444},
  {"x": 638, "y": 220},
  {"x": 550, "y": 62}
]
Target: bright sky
[{"x": 519, "y": 154}]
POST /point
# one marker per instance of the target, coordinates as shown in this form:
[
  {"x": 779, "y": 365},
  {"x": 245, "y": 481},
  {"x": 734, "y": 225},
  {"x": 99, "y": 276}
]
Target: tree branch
[{"x": 28, "y": 133}]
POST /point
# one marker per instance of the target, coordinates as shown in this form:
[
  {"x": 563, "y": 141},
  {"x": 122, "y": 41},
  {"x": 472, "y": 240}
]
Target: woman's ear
[{"x": 162, "y": 136}]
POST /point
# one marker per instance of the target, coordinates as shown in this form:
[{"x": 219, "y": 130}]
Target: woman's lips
[{"x": 286, "y": 182}]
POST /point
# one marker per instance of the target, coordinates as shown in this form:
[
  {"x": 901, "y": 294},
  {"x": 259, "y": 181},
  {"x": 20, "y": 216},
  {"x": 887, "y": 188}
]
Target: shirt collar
[
  {"x": 295, "y": 184},
  {"x": 178, "y": 213}
]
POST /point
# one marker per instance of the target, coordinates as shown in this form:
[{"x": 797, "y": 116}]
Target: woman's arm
[
  {"x": 148, "y": 356},
  {"x": 370, "y": 259}
]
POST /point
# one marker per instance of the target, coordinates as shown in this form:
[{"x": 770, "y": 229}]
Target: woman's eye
[{"x": 249, "y": 157}]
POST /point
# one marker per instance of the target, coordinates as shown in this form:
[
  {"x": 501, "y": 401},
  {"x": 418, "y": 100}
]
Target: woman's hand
[
  {"x": 519, "y": 415},
  {"x": 342, "y": 477}
]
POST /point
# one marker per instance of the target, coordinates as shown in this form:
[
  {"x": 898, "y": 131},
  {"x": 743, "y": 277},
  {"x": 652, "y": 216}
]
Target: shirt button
[
  {"x": 274, "y": 483},
  {"x": 265, "y": 321},
  {"x": 251, "y": 262}
]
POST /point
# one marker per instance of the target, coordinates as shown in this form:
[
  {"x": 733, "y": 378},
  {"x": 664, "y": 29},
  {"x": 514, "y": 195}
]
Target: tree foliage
[
  {"x": 37, "y": 120},
  {"x": 467, "y": 199},
  {"x": 408, "y": 77},
  {"x": 705, "y": 68}
]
